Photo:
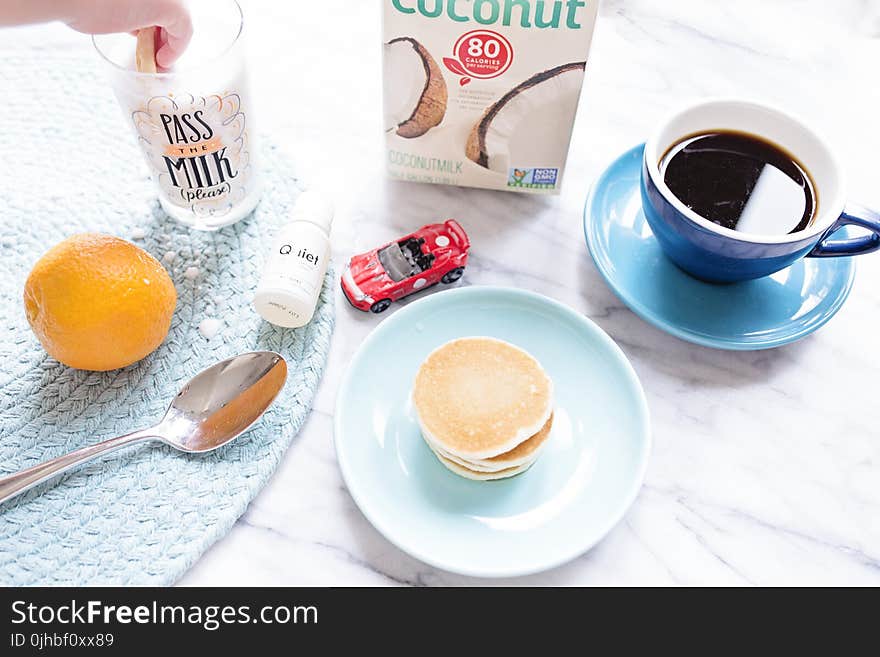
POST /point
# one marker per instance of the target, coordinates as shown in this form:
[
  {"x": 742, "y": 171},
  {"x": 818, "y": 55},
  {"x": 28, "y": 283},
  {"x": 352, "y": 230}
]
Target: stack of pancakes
[{"x": 485, "y": 407}]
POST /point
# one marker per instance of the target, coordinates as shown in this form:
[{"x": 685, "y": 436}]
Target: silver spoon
[{"x": 214, "y": 408}]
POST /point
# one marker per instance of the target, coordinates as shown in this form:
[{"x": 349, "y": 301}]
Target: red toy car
[{"x": 436, "y": 253}]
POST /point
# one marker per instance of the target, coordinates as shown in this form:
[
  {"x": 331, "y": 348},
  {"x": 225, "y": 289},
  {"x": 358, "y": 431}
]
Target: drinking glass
[{"x": 194, "y": 122}]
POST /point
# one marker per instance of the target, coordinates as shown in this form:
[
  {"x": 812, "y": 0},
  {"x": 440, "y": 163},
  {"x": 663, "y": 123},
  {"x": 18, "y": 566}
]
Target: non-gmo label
[{"x": 533, "y": 178}]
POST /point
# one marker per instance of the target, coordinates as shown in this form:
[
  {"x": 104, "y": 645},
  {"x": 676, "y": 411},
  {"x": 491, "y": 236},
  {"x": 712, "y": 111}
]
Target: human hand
[{"x": 108, "y": 16}]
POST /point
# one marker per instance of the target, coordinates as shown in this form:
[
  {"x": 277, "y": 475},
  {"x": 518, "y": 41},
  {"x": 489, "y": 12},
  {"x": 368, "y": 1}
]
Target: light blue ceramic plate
[
  {"x": 583, "y": 483},
  {"x": 768, "y": 312}
]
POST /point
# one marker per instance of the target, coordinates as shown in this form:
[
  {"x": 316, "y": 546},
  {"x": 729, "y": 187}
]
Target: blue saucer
[
  {"x": 760, "y": 314},
  {"x": 583, "y": 483}
]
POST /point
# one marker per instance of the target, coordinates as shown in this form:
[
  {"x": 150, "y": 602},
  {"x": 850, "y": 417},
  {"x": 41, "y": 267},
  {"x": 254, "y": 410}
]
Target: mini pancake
[
  {"x": 523, "y": 454},
  {"x": 482, "y": 469},
  {"x": 481, "y": 476},
  {"x": 478, "y": 398}
]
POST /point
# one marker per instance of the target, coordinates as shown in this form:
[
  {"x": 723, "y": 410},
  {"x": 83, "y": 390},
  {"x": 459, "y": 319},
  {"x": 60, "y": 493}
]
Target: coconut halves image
[
  {"x": 523, "y": 128},
  {"x": 415, "y": 91}
]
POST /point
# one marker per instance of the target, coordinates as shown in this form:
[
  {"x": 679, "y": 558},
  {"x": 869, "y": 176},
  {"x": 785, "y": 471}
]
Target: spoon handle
[{"x": 18, "y": 483}]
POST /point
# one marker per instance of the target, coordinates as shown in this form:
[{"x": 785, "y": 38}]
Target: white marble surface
[{"x": 766, "y": 465}]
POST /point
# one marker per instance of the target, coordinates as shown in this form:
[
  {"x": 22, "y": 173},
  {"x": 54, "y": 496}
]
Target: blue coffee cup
[{"x": 721, "y": 255}]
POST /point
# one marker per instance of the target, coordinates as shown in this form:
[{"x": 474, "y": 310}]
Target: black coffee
[{"x": 741, "y": 182}]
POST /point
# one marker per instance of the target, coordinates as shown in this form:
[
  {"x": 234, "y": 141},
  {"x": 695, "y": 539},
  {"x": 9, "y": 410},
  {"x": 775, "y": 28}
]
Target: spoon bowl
[
  {"x": 222, "y": 402},
  {"x": 214, "y": 408}
]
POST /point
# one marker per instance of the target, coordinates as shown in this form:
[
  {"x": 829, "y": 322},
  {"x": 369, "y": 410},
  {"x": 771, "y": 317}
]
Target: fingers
[
  {"x": 174, "y": 37},
  {"x": 108, "y": 16}
]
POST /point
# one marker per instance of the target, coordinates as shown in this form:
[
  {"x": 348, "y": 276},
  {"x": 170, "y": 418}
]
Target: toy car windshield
[
  {"x": 395, "y": 263},
  {"x": 402, "y": 260}
]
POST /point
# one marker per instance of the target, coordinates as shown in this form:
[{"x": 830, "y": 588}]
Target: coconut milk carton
[{"x": 483, "y": 93}]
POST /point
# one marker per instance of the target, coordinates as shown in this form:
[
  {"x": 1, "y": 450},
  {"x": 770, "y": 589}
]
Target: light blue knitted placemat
[{"x": 70, "y": 164}]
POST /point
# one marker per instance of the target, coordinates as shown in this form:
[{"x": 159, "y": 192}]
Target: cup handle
[{"x": 854, "y": 215}]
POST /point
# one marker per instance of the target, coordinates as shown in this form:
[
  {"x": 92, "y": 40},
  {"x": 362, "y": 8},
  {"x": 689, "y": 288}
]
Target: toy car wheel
[
  {"x": 452, "y": 276},
  {"x": 380, "y": 306}
]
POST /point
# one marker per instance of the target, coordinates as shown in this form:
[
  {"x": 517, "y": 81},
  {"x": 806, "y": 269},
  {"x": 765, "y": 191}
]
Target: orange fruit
[{"x": 97, "y": 302}]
